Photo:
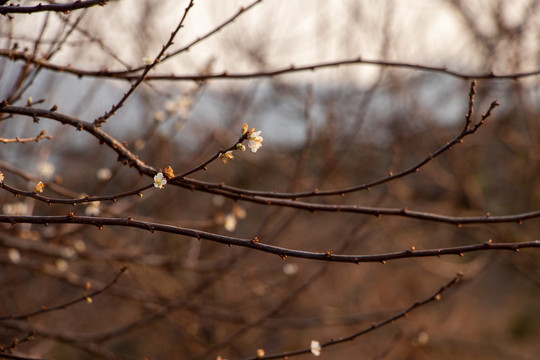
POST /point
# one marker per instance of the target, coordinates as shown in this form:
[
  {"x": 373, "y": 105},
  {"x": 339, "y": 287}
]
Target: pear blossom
[
  {"x": 184, "y": 105},
  {"x": 18, "y": 208},
  {"x": 230, "y": 222},
  {"x": 159, "y": 180},
  {"x": 315, "y": 348},
  {"x": 92, "y": 209},
  {"x": 147, "y": 60},
  {"x": 240, "y": 147},
  {"x": 104, "y": 174},
  {"x": 45, "y": 170},
  {"x": 239, "y": 212},
  {"x": 159, "y": 116},
  {"x": 14, "y": 255},
  {"x": 224, "y": 157},
  {"x": 290, "y": 269},
  {"x": 254, "y": 140}
]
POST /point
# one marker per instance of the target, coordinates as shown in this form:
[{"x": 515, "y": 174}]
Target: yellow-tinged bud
[
  {"x": 168, "y": 172},
  {"x": 244, "y": 128},
  {"x": 39, "y": 187}
]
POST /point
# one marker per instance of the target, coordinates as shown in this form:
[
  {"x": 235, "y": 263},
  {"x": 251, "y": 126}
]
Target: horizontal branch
[
  {"x": 128, "y": 158},
  {"x": 256, "y": 244},
  {"x": 132, "y": 74},
  {"x": 487, "y": 218},
  {"x": 76, "y": 5}
]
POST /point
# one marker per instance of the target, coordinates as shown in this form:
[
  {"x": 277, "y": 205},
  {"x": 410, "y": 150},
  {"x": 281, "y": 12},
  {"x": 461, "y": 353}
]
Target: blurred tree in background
[{"x": 391, "y": 211}]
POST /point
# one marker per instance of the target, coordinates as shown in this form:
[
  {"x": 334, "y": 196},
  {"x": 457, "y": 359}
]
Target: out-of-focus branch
[
  {"x": 102, "y": 119},
  {"x": 435, "y": 297},
  {"x": 130, "y": 75},
  {"x": 76, "y": 5},
  {"x": 86, "y": 297}
]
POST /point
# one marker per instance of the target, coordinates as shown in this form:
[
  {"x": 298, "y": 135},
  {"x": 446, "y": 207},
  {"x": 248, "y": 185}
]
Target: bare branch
[
  {"x": 86, "y": 297},
  {"x": 129, "y": 75},
  {"x": 256, "y": 244},
  {"x": 76, "y": 5},
  {"x": 41, "y": 136},
  {"x": 99, "y": 121},
  {"x": 435, "y": 297}
]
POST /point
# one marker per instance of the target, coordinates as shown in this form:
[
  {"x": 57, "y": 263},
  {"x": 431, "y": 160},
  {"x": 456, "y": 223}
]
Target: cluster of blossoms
[
  {"x": 160, "y": 179},
  {"x": 254, "y": 139}
]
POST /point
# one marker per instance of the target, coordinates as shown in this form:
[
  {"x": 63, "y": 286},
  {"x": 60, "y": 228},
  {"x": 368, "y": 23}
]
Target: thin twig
[
  {"x": 47, "y": 309},
  {"x": 41, "y": 136},
  {"x": 102, "y": 119},
  {"x": 76, "y": 5},
  {"x": 128, "y": 75},
  {"x": 256, "y": 244},
  {"x": 435, "y": 297}
]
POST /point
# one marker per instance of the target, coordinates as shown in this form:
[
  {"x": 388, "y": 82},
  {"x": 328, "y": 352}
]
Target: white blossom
[
  {"x": 254, "y": 140},
  {"x": 315, "y": 348},
  {"x": 159, "y": 180}
]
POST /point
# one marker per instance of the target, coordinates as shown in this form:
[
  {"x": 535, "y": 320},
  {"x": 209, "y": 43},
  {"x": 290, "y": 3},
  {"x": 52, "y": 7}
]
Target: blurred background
[{"x": 330, "y": 128}]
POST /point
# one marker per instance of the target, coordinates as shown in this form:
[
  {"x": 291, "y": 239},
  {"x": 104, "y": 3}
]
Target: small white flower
[
  {"x": 159, "y": 180},
  {"x": 92, "y": 209},
  {"x": 61, "y": 265},
  {"x": 315, "y": 348},
  {"x": 254, "y": 140},
  {"x": 45, "y": 170},
  {"x": 159, "y": 116},
  {"x": 230, "y": 222},
  {"x": 218, "y": 200},
  {"x": 239, "y": 212},
  {"x": 139, "y": 144},
  {"x": 184, "y": 105},
  {"x": 103, "y": 174},
  {"x": 170, "y": 106},
  {"x": 147, "y": 60},
  {"x": 18, "y": 208},
  {"x": 290, "y": 269},
  {"x": 79, "y": 245},
  {"x": 14, "y": 255}
]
